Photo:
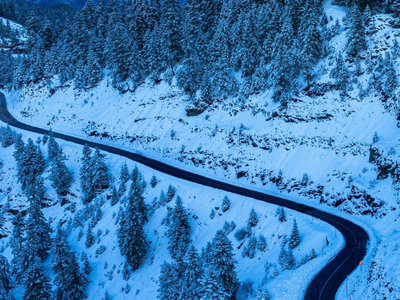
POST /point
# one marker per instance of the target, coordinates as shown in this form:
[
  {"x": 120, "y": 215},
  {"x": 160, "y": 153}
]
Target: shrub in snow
[
  {"x": 305, "y": 179},
  {"x": 229, "y": 227},
  {"x": 245, "y": 291},
  {"x": 212, "y": 214},
  {"x": 240, "y": 234},
  {"x": 226, "y": 204}
]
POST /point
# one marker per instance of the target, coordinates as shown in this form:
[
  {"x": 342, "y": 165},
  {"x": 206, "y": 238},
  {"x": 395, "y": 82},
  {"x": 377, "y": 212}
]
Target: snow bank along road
[{"x": 324, "y": 285}]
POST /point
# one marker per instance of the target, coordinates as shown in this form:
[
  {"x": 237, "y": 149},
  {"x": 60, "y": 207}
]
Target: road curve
[{"x": 325, "y": 284}]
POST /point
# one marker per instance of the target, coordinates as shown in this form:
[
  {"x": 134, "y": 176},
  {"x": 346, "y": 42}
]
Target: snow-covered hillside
[
  {"x": 199, "y": 201},
  {"x": 318, "y": 150}
]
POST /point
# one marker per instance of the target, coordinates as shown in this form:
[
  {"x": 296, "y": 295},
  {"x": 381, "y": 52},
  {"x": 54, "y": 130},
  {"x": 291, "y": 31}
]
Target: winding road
[{"x": 325, "y": 284}]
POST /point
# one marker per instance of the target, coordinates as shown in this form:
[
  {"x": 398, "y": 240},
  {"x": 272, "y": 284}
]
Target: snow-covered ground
[
  {"x": 199, "y": 202},
  {"x": 327, "y": 138}
]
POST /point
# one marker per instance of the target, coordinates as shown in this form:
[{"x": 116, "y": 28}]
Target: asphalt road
[{"x": 324, "y": 285}]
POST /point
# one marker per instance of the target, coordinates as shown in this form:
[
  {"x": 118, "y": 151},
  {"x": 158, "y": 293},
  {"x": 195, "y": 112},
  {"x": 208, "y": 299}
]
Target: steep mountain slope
[
  {"x": 107, "y": 262},
  {"x": 319, "y": 149},
  {"x": 327, "y": 147}
]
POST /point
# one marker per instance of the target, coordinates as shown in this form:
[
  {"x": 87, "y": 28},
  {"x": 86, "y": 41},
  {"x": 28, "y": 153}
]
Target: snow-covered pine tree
[
  {"x": 294, "y": 239},
  {"x": 38, "y": 234},
  {"x": 70, "y": 282},
  {"x": 17, "y": 241},
  {"x": 59, "y": 174},
  {"x": 341, "y": 73},
  {"x": 85, "y": 173},
  {"x": 101, "y": 177},
  {"x": 223, "y": 263},
  {"x": 253, "y": 218},
  {"x": 170, "y": 26},
  {"x": 37, "y": 284},
  {"x": 212, "y": 287},
  {"x": 191, "y": 279},
  {"x": 131, "y": 236},
  {"x": 5, "y": 279},
  {"x": 356, "y": 41},
  {"x": 123, "y": 179},
  {"x": 114, "y": 196},
  {"x": 90, "y": 239},
  {"x": 170, "y": 287},
  {"x": 178, "y": 231}
]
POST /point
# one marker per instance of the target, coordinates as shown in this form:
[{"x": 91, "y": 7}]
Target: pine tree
[
  {"x": 153, "y": 181},
  {"x": 294, "y": 240},
  {"x": 191, "y": 281},
  {"x": 114, "y": 196},
  {"x": 178, "y": 231},
  {"x": 17, "y": 241},
  {"x": 169, "y": 282},
  {"x": 281, "y": 214},
  {"x": 170, "y": 26},
  {"x": 100, "y": 174},
  {"x": 70, "y": 282},
  {"x": 170, "y": 193},
  {"x": 356, "y": 41},
  {"x": 90, "y": 239},
  {"x": 59, "y": 174},
  {"x": 123, "y": 179},
  {"x": 212, "y": 287},
  {"x": 38, "y": 234},
  {"x": 341, "y": 73},
  {"x": 85, "y": 173},
  {"x": 253, "y": 218},
  {"x": 5, "y": 278},
  {"x": 224, "y": 263},
  {"x": 131, "y": 236},
  {"x": 37, "y": 285}
]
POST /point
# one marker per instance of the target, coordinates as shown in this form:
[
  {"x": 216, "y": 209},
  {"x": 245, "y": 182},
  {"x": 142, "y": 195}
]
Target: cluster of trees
[
  {"x": 204, "y": 43},
  {"x": 31, "y": 242}
]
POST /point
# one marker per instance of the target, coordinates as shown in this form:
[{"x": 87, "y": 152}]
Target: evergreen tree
[
  {"x": 356, "y": 41},
  {"x": 341, "y": 73},
  {"x": 178, "y": 231},
  {"x": 131, "y": 236},
  {"x": 170, "y": 194},
  {"x": 191, "y": 281},
  {"x": 37, "y": 285},
  {"x": 253, "y": 218},
  {"x": 90, "y": 239},
  {"x": 169, "y": 282},
  {"x": 59, "y": 173},
  {"x": 5, "y": 279},
  {"x": 294, "y": 240},
  {"x": 224, "y": 263},
  {"x": 123, "y": 179},
  {"x": 281, "y": 214},
  {"x": 170, "y": 25},
  {"x": 85, "y": 173},
  {"x": 212, "y": 287},
  {"x": 100, "y": 175},
  {"x": 114, "y": 196},
  {"x": 38, "y": 231},
  {"x": 17, "y": 241},
  {"x": 70, "y": 282}
]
